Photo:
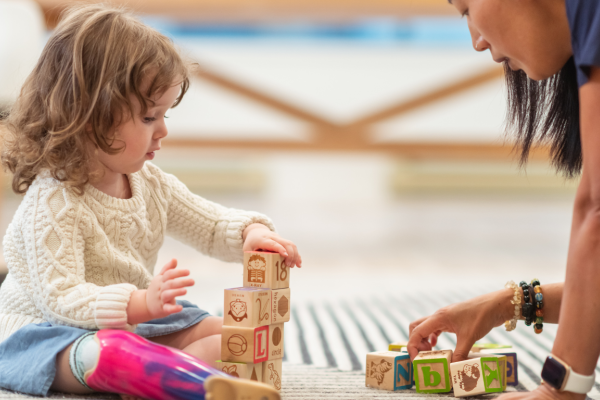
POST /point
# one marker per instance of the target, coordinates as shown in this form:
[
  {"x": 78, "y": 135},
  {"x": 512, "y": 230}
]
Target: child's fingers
[
  {"x": 177, "y": 283},
  {"x": 272, "y": 245},
  {"x": 299, "y": 261},
  {"x": 168, "y": 296},
  {"x": 170, "y": 265},
  {"x": 172, "y": 308},
  {"x": 175, "y": 273},
  {"x": 292, "y": 250}
]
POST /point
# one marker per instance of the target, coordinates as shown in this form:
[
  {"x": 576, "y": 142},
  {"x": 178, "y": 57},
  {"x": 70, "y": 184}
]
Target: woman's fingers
[
  {"x": 414, "y": 324},
  {"x": 170, "y": 265},
  {"x": 463, "y": 347},
  {"x": 419, "y": 336}
]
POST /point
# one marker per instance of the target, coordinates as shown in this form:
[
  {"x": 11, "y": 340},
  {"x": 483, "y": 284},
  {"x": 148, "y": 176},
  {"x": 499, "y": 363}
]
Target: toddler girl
[{"x": 82, "y": 246}]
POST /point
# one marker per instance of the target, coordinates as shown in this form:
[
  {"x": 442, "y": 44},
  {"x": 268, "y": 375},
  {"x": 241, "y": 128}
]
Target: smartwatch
[{"x": 561, "y": 377}]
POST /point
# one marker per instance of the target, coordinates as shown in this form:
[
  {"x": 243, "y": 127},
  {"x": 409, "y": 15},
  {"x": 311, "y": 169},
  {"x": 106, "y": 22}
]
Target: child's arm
[{"x": 210, "y": 228}]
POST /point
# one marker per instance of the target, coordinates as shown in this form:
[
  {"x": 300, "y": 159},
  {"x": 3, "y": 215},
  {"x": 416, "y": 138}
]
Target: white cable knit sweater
[{"x": 75, "y": 260}]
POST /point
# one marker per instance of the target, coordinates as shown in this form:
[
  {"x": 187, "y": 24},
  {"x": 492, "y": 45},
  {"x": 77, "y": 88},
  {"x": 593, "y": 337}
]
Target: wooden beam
[
  {"x": 422, "y": 150},
  {"x": 263, "y": 98},
  {"x": 426, "y": 99}
]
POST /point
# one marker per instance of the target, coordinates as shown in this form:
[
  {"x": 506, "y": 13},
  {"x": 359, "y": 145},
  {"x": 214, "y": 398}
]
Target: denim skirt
[{"x": 28, "y": 356}]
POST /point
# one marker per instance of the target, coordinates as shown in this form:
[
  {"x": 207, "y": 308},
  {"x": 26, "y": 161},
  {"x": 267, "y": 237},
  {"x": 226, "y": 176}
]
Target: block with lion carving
[
  {"x": 389, "y": 370},
  {"x": 247, "y": 307}
]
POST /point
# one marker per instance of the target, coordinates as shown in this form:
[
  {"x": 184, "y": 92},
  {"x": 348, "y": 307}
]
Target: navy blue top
[{"x": 584, "y": 20}]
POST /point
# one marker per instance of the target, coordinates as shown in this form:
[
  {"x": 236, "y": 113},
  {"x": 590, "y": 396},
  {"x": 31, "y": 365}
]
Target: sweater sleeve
[
  {"x": 210, "y": 228},
  {"x": 53, "y": 231}
]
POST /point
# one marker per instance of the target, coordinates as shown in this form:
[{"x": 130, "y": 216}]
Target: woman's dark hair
[{"x": 546, "y": 112}]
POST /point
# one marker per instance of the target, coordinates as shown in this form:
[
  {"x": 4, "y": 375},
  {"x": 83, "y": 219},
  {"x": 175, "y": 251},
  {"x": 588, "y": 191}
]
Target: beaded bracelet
[
  {"x": 516, "y": 300},
  {"x": 539, "y": 306},
  {"x": 527, "y": 308}
]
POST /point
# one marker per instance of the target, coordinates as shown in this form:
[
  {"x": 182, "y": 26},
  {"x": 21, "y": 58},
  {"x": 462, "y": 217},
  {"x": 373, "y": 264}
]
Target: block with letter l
[
  {"x": 432, "y": 371},
  {"x": 247, "y": 345}
]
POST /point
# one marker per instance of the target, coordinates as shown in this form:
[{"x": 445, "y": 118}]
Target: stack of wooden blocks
[
  {"x": 489, "y": 369},
  {"x": 253, "y": 318}
]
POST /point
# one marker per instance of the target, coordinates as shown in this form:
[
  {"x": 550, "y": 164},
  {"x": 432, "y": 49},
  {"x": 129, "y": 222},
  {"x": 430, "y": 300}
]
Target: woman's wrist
[{"x": 507, "y": 309}]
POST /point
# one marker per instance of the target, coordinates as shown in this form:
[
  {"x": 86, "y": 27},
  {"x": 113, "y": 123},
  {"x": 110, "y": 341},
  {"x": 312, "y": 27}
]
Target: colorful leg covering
[{"x": 130, "y": 364}]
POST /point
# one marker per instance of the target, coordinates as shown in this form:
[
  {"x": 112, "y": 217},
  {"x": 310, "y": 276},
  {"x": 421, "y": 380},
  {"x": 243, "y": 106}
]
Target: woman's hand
[
  {"x": 259, "y": 237},
  {"x": 165, "y": 288},
  {"x": 544, "y": 392},
  {"x": 470, "y": 321}
]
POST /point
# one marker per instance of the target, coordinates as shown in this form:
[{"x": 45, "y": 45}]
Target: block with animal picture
[
  {"x": 276, "y": 341},
  {"x": 241, "y": 370},
  {"x": 432, "y": 371},
  {"x": 477, "y": 376},
  {"x": 247, "y": 307},
  {"x": 265, "y": 270},
  {"x": 272, "y": 372},
  {"x": 389, "y": 370},
  {"x": 281, "y": 307},
  {"x": 247, "y": 345},
  {"x": 512, "y": 364}
]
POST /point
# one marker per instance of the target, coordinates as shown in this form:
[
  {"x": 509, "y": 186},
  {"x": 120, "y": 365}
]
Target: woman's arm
[
  {"x": 473, "y": 319},
  {"x": 577, "y": 338}
]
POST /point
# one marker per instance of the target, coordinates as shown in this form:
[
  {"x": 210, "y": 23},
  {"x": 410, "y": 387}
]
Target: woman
[{"x": 551, "y": 50}]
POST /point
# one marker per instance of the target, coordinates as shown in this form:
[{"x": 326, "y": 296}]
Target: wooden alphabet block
[
  {"x": 280, "y": 311},
  {"x": 265, "y": 270},
  {"x": 512, "y": 365},
  {"x": 389, "y": 370},
  {"x": 467, "y": 378},
  {"x": 272, "y": 372},
  {"x": 276, "y": 342},
  {"x": 479, "y": 375},
  {"x": 503, "y": 363},
  {"x": 247, "y": 345},
  {"x": 397, "y": 346},
  {"x": 479, "y": 347},
  {"x": 432, "y": 371},
  {"x": 247, "y": 307},
  {"x": 242, "y": 370}
]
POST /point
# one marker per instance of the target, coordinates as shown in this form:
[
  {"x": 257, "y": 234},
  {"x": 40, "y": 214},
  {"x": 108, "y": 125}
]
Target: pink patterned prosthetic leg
[{"x": 130, "y": 364}]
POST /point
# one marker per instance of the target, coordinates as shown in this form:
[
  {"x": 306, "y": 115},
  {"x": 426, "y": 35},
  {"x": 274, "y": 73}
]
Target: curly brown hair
[{"x": 97, "y": 60}]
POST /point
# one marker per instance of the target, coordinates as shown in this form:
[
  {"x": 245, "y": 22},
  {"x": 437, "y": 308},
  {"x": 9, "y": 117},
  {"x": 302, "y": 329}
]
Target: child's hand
[
  {"x": 164, "y": 288},
  {"x": 259, "y": 237}
]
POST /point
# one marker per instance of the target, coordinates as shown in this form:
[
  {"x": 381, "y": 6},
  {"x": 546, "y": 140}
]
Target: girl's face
[
  {"x": 140, "y": 135},
  {"x": 530, "y": 35}
]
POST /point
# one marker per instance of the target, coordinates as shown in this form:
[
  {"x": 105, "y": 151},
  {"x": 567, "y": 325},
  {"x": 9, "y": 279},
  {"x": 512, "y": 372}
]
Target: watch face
[{"x": 554, "y": 373}]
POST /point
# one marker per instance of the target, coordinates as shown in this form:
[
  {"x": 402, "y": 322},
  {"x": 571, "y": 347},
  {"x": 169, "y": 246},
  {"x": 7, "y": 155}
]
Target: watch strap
[{"x": 578, "y": 383}]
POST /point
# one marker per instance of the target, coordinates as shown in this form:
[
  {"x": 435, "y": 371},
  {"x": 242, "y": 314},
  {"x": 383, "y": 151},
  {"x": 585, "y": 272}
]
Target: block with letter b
[
  {"x": 241, "y": 370},
  {"x": 265, "y": 270},
  {"x": 247, "y": 345},
  {"x": 432, "y": 371},
  {"x": 247, "y": 307},
  {"x": 281, "y": 307},
  {"x": 389, "y": 370}
]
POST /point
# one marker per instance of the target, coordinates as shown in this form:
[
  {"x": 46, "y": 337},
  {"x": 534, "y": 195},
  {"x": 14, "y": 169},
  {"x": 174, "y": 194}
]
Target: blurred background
[{"x": 370, "y": 131}]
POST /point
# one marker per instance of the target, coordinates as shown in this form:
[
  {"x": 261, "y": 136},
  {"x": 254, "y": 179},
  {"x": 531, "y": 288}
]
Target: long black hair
[{"x": 546, "y": 112}]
